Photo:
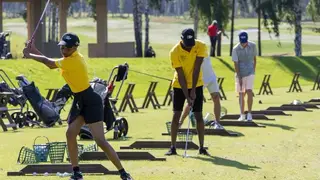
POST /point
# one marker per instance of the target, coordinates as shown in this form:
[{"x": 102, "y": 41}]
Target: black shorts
[
  {"x": 179, "y": 99},
  {"x": 87, "y": 104}
]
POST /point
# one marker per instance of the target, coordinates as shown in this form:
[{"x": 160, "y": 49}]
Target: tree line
[{"x": 269, "y": 13}]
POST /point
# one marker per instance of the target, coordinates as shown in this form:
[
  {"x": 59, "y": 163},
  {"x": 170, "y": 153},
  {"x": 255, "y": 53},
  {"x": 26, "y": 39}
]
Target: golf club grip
[{"x": 41, "y": 17}]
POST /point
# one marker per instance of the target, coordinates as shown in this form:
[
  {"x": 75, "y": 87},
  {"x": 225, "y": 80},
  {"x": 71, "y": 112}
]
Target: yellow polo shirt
[
  {"x": 74, "y": 71},
  {"x": 182, "y": 58}
]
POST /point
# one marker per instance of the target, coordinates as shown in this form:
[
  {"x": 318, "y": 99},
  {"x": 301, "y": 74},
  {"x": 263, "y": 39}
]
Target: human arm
[
  {"x": 183, "y": 82},
  {"x": 236, "y": 66},
  {"x": 235, "y": 62},
  {"x": 254, "y": 63},
  {"x": 202, "y": 52},
  {"x": 50, "y": 63},
  {"x": 196, "y": 72},
  {"x": 34, "y": 49},
  {"x": 176, "y": 64}
]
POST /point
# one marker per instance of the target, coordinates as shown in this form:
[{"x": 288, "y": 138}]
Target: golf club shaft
[
  {"x": 42, "y": 15},
  {"x": 186, "y": 146}
]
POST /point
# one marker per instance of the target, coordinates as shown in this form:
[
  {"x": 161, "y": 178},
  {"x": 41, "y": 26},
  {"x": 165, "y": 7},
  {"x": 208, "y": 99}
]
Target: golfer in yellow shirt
[
  {"x": 186, "y": 58},
  {"x": 87, "y": 106}
]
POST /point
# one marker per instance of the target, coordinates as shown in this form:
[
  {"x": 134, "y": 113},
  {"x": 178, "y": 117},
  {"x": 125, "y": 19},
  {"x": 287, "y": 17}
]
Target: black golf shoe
[
  {"x": 203, "y": 152},
  {"x": 126, "y": 176},
  {"x": 172, "y": 151}
]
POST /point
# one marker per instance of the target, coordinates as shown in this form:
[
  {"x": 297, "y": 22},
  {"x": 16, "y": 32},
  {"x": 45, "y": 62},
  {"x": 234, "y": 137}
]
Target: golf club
[
  {"x": 186, "y": 146},
  {"x": 41, "y": 17}
]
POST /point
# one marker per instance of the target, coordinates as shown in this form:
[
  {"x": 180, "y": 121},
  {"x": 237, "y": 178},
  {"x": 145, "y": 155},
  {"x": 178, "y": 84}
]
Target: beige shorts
[
  {"x": 212, "y": 86},
  {"x": 247, "y": 83}
]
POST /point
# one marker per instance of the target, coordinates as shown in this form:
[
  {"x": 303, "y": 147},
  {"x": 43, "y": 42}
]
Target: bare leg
[
  {"x": 97, "y": 131},
  {"x": 175, "y": 127},
  {"x": 72, "y": 132},
  {"x": 241, "y": 100},
  {"x": 250, "y": 99},
  {"x": 200, "y": 127},
  {"x": 217, "y": 106},
  {"x": 184, "y": 115}
]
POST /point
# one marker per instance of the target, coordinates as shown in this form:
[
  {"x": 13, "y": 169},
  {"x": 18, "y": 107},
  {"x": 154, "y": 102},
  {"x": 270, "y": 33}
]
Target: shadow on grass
[
  {"x": 308, "y": 66},
  {"x": 127, "y": 138},
  {"x": 108, "y": 139},
  {"x": 239, "y": 133},
  {"x": 284, "y": 127},
  {"x": 146, "y": 138},
  {"x": 227, "y": 162},
  {"x": 226, "y": 64}
]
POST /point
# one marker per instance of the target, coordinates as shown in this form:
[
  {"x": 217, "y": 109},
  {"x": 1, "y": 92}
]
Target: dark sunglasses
[{"x": 65, "y": 47}]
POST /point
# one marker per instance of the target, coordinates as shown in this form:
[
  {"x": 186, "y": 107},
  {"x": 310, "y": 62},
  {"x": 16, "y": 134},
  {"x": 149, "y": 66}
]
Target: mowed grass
[
  {"x": 281, "y": 69},
  {"x": 288, "y": 148}
]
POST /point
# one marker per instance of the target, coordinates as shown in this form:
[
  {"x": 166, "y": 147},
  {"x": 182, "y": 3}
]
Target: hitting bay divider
[
  {"x": 316, "y": 85},
  {"x": 53, "y": 169},
  {"x": 4, "y": 112}
]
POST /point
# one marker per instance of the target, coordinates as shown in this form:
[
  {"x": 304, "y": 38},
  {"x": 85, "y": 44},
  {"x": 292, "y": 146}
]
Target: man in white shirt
[{"x": 210, "y": 82}]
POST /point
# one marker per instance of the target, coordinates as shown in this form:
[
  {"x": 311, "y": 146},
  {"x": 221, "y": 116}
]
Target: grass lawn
[
  {"x": 286, "y": 149},
  {"x": 281, "y": 69}
]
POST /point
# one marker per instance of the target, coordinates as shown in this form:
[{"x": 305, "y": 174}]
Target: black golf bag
[
  {"x": 62, "y": 97},
  {"x": 100, "y": 87},
  {"x": 15, "y": 100},
  {"x": 45, "y": 109},
  {"x": 4, "y": 46}
]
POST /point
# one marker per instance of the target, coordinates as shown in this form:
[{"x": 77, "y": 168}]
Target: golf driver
[
  {"x": 186, "y": 146},
  {"x": 40, "y": 20}
]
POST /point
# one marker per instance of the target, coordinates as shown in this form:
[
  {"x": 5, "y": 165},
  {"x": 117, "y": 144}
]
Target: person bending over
[{"x": 186, "y": 58}]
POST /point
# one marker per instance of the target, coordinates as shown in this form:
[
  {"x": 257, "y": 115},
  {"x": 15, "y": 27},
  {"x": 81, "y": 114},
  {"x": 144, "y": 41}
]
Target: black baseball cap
[
  {"x": 188, "y": 38},
  {"x": 69, "y": 40}
]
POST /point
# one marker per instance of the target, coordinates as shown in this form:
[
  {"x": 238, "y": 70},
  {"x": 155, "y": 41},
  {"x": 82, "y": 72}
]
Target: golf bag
[
  {"x": 45, "y": 109},
  {"x": 15, "y": 100},
  {"x": 100, "y": 87},
  {"x": 4, "y": 46},
  {"x": 62, "y": 97}
]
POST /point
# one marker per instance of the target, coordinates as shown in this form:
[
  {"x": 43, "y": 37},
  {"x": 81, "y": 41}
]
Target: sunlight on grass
[
  {"x": 288, "y": 148},
  {"x": 285, "y": 149}
]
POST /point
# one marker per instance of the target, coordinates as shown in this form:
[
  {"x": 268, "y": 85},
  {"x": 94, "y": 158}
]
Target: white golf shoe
[
  {"x": 242, "y": 117},
  {"x": 249, "y": 117}
]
